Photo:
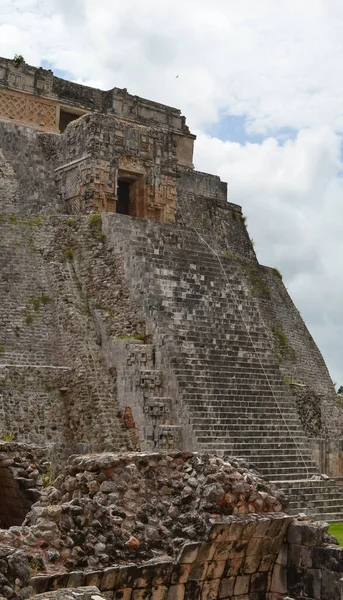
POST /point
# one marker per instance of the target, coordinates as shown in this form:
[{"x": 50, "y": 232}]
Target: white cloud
[
  {"x": 293, "y": 198},
  {"x": 278, "y": 64}
]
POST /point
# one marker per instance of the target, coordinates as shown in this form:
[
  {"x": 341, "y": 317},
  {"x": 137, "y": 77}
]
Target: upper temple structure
[{"x": 135, "y": 317}]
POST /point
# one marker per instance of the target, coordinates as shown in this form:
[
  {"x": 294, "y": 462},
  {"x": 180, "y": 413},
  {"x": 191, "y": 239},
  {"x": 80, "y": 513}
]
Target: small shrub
[
  {"x": 280, "y": 334},
  {"x": 260, "y": 288},
  {"x": 35, "y": 301},
  {"x": 8, "y": 437},
  {"x": 48, "y": 477},
  {"x": 2, "y": 348},
  {"x": 95, "y": 224},
  {"x": 95, "y": 220},
  {"x": 237, "y": 216},
  {"x": 277, "y": 273},
  {"x": 18, "y": 59},
  {"x": 68, "y": 253},
  {"x": 35, "y": 565},
  {"x": 284, "y": 350},
  {"x": 29, "y": 318},
  {"x": 70, "y": 221}
]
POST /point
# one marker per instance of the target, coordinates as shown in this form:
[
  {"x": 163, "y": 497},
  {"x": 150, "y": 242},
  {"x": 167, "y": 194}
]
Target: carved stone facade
[
  {"x": 18, "y": 107},
  {"x": 128, "y": 166}
]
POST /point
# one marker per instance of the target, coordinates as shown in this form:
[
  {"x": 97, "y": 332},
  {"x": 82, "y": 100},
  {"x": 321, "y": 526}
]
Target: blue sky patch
[
  {"x": 231, "y": 128},
  {"x": 57, "y": 72}
]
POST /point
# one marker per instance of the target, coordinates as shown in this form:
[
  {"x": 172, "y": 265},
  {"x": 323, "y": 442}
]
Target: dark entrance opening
[
  {"x": 13, "y": 507},
  {"x": 66, "y": 118},
  {"x": 123, "y": 197}
]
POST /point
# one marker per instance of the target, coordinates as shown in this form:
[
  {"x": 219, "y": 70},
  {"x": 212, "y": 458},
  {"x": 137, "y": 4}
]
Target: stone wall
[
  {"x": 235, "y": 562},
  {"x": 329, "y": 456},
  {"x": 300, "y": 361},
  {"x": 202, "y": 204},
  {"x": 54, "y": 384},
  {"x": 27, "y": 180},
  {"x": 311, "y": 564}
]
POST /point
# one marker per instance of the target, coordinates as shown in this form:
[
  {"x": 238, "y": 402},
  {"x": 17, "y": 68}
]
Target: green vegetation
[
  {"x": 95, "y": 224},
  {"x": 37, "y": 301},
  {"x": 277, "y": 273},
  {"x": 95, "y": 220},
  {"x": 15, "y": 221},
  {"x": 283, "y": 349},
  {"x": 136, "y": 336},
  {"x": 33, "y": 221},
  {"x": 2, "y": 348},
  {"x": 28, "y": 319},
  {"x": 336, "y": 529},
  {"x": 237, "y": 216},
  {"x": 35, "y": 565},
  {"x": 8, "y": 437},
  {"x": 70, "y": 221},
  {"x": 279, "y": 333},
  {"x": 48, "y": 477},
  {"x": 18, "y": 59},
  {"x": 258, "y": 286},
  {"x": 68, "y": 254}
]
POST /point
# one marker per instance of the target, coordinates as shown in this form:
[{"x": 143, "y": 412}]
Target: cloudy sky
[{"x": 261, "y": 84}]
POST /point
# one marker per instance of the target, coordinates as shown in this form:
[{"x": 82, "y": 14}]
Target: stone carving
[{"x": 23, "y": 108}]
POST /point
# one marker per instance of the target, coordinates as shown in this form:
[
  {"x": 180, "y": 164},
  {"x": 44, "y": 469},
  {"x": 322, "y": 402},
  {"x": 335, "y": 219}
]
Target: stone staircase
[
  {"x": 320, "y": 499},
  {"x": 229, "y": 381}
]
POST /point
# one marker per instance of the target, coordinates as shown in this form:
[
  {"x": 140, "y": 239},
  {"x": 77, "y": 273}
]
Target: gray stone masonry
[
  {"x": 27, "y": 180},
  {"x": 210, "y": 331}
]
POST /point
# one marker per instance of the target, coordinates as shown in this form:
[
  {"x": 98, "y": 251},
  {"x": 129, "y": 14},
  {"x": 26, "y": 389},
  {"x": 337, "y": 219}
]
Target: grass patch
[
  {"x": 70, "y": 221},
  {"x": 2, "y": 348},
  {"x": 137, "y": 336},
  {"x": 8, "y": 437},
  {"x": 336, "y": 529}
]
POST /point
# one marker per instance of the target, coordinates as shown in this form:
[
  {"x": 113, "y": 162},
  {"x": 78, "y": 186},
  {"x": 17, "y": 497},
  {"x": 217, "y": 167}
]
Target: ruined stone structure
[{"x": 136, "y": 317}]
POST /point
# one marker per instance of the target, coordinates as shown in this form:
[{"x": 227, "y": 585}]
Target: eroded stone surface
[{"x": 110, "y": 507}]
